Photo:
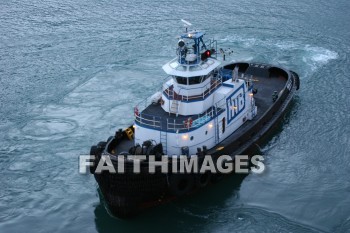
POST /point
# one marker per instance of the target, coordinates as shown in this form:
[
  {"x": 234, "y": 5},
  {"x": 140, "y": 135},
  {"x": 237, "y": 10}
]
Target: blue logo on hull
[{"x": 235, "y": 103}]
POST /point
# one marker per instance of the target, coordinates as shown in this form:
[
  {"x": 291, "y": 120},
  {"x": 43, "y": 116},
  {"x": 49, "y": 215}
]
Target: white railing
[
  {"x": 166, "y": 87},
  {"x": 175, "y": 124},
  {"x": 149, "y": 120},
  {"x": 206, "y": 90}
]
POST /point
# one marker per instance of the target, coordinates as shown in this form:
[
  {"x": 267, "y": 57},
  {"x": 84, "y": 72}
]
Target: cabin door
[{"x": 223, "y": 125}]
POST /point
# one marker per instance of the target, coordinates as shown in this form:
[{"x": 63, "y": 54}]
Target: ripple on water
[
  {"x": 246, "y": 217},
  {"x": 345, "y": 227},
  {"x": 50, "y": 128},
  {"x": 20, "y": 166}
]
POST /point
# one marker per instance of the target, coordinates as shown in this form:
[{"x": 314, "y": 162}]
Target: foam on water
[
  {"x": 317, "y": 56},
  {"x": 285, "y": 53},
  {"x": 102, "y": 104},
  {"x": 49, "y": 128}
]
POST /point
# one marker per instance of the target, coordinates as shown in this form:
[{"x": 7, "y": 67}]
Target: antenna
[{"x": 186, "y": 24}]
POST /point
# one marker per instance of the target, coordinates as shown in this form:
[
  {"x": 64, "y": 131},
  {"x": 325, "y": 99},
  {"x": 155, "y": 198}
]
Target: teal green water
[{"x": 70, "y": 71}]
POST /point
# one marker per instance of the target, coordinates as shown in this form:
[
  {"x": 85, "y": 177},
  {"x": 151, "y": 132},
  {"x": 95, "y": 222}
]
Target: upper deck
[{"x": 175, "y": 68}]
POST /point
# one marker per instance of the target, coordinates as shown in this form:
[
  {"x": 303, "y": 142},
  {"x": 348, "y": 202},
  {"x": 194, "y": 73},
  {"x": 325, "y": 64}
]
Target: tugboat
[{"x": 204, "y": 108}]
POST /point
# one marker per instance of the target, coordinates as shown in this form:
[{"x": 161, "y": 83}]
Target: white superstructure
[{"x": 200, "y": 104}]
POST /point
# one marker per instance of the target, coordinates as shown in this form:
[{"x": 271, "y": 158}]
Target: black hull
[{"x": 129, "y": 194}]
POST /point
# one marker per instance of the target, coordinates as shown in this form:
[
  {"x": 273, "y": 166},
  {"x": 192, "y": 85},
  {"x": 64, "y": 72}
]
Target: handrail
[
  {"x": 201, "y": 120},
  {"x": 182, "y": 126},
  {"x": 149, "y": 122},
  {"x": 174, "y": 124}
]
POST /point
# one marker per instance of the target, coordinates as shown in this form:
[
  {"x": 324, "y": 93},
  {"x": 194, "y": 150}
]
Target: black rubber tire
[
  {"x": 138, "y": 150},
  {"x": 95, "y": 152},
  {"x": 217, "y": 177},
  {"x": 149, "y": 150},
  {"x": 132, "y": 150},
  {"x": 101, "y": 145},
  {"x": 110, "y": 138},
  {"x": 202, "y": 180},
  {"x": 180, "y": 184},
  {"x": 297, "y": 80}
]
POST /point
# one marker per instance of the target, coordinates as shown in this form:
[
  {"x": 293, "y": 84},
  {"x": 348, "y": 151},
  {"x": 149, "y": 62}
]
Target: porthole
[
  {"x": 206, "y": 132},
  {"x": 191, "y": 138}
]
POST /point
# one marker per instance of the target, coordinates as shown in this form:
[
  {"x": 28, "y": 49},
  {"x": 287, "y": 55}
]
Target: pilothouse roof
[{"x": 176, "y": 69}]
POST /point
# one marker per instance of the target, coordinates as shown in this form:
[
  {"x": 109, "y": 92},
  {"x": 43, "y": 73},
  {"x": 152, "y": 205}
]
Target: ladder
[
  {"x": 174, "y": 108},
  {"x": 164, "y": 140}
]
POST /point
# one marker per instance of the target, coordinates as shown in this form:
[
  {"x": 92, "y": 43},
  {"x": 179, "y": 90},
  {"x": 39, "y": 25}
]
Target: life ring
[
  {"x": 180, "y": 184},
  {"x": 188, "y": 123},
  {"x": 136, "y": 111}
]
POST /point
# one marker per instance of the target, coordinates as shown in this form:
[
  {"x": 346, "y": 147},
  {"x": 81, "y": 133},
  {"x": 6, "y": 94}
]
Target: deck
[{"x": 155, "y": 117}]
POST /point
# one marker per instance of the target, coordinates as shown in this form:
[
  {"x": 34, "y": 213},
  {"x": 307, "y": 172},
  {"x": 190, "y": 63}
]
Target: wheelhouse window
[
  {"x": 181, "y": 80},
  {"x": 191, "y": 80},
  {"x": 195, "y": 80},
  {"x": 206, "y": 77}
]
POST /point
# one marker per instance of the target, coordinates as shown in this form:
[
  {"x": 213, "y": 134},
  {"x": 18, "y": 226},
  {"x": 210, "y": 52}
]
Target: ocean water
[{"x": 71, "y": 71}]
